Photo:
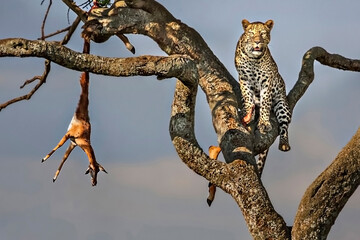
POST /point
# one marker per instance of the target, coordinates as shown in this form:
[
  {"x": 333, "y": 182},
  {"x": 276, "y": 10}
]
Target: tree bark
[{"x": 327, "y": 195}]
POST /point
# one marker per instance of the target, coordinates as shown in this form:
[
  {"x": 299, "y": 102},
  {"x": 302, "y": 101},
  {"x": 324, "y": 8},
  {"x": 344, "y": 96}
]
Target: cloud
[
  {"x": 165, "y": 177},
  {"x": 132, "y": 201}
]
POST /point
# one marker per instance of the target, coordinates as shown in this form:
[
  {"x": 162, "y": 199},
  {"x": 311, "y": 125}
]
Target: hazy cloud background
[{"x": 149, "y": 193}]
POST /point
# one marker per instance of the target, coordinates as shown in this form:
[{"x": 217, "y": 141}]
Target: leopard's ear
[
  {"x": 245, "y": 23},
  {"x": 269, "y": 24}
]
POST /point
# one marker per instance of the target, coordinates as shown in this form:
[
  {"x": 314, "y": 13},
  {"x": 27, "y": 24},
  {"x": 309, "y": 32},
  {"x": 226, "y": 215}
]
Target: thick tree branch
[
  {"x": 327, "y": 195},
  {"x": 306, "y": 75},
  {"x": 238, "y": 178},
  {"x": 172, "y": 66}
]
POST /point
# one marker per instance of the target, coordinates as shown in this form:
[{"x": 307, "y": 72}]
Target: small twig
[
  {"x": 45, "y": 17},
  {"x": 86, "y": 4},
  {"x": 55, "y": 33},
  {"x": 76, "y": 9},
  {"x": 42, "y": 80},
  {"x": 72, "y": 29}
]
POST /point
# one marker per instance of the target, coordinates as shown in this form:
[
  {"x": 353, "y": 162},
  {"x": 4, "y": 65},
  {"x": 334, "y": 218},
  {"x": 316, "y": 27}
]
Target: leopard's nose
[{"x": 257, "y": 40}]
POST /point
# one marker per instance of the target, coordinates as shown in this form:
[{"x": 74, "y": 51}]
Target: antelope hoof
[
  {"x": 56, "y": 175},
  {"x": 132, "y": 49},
  {"x": 211, "y": 197},
  {"x": 93, "y": 173}
]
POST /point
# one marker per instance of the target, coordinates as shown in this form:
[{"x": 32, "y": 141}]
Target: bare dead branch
[
  {"x": 55, "y": 33},
  {"x": 86, "y": 4},
  {"x": 306, "y": 75},
  {"x": 76, "y": 9},
  {"x": 45, "y": 17},
  {"x": 41, "y": 79},
  {"x": 72, "y": 29}
]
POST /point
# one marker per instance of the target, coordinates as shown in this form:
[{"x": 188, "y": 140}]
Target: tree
[{"x": 193, "y": 63}]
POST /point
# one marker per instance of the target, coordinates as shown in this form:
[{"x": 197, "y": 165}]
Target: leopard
[{"x": 261, "y": 84}]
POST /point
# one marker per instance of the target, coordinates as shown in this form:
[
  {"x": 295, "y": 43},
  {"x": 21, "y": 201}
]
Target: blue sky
[{"x": 149, "y": 193}]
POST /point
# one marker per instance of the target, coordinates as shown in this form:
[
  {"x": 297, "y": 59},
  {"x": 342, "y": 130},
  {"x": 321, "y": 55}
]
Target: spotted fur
[{"x": 260, "y": 82}]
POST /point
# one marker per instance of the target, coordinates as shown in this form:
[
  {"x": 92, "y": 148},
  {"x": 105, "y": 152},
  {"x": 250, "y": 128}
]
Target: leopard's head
[{"x": 256, "y": 37}]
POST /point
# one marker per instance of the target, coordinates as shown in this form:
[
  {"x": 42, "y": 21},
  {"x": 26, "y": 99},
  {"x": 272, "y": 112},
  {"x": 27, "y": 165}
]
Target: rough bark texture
[
  {"x": 163, "y": 67},
  {"x": 238, "y": 178},
  {"x": 193, "y": 63},
  {"x": 327, "y": 195},
  {"x": 306, "y": 75}
]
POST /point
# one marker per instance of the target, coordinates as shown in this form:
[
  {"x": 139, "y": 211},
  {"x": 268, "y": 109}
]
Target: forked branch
[
  {"x": 44, "y": 21},
  {"x": 41, "y": 79}
]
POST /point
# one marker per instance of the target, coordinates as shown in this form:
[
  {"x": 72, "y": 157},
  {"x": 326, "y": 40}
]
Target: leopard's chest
[{"x": 256, "y": 73}]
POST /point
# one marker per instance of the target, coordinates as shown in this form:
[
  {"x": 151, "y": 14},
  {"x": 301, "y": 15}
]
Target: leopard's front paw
[{"x": 264, "y": 126}]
